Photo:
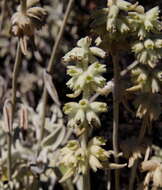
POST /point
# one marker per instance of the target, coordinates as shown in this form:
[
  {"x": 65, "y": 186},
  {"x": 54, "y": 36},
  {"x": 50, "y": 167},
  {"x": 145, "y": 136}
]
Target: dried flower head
[
  {"x": 148, "y": 106},
  {"x": 24, "y": 23},
  {"x": 132, "y": 151}
]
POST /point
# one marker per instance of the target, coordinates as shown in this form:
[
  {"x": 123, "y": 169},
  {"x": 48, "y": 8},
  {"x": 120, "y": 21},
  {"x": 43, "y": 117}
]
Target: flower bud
[
  {"x": 141, "y": 77},
  {"x": 148, "y": 25},
  {"x": 84, "y": 42},
  {"x": 153, "y": 14},
  {"x": 73, "y": 145},
  {"x": 155, "y": 86},
  {"x": 79, "y": 117},
  {"x": 71, "y": 123},
  {"x": 70, "y": 108},
  {"x": 73, "y": 71},
  {"x": 97, "y": 141},
  {"x": 100, "y": 81},
  {"x": 123, "y": 27},
  {"x": 96, "y": 68},
  {"x": 137, "y": 47},
  {"x": 158, "y": 43},
  {"x": 94, "y": 163},
  {"x": 142, "y": 57},
  {"x": 149, "y": 44},
  {"x": 111, "y": 25},
  {"x": 93, "y": 119},
  {"x": 83, "y": 103},
  {"x": 98, "y": 52},
  {"x": 113, "y": 12},
  {"x": 98, "y": 107}
]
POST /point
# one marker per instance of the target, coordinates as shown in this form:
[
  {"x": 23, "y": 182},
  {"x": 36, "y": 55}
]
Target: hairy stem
[
  {"x": 84, "y": 143},
  {"x": 86, "y": 176},
  {"x": 51, "y": 64},
  {"x": 116, "y": 115}
]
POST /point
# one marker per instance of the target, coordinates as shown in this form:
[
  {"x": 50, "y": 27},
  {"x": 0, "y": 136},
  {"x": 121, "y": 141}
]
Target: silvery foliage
[{"x": 29, "y": 156}]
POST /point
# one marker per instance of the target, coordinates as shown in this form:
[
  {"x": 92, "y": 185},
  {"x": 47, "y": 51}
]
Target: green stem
[
  {"x": 84, "y": 143},
  {"x": 116, "y": 116},
  {"x": 51, "y": 64}
]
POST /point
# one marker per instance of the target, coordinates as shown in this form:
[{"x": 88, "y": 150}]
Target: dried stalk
[
  {"x": 14, "y": 87},
  {"x": 14, "y": 78},
  {"x": 58, "y": 40},
  {"x": 51, "y": 64},
  {"x": 9, "y": 157},
  {"x": 116, "y": 115},
  {"x": 4, "y": 3}
]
